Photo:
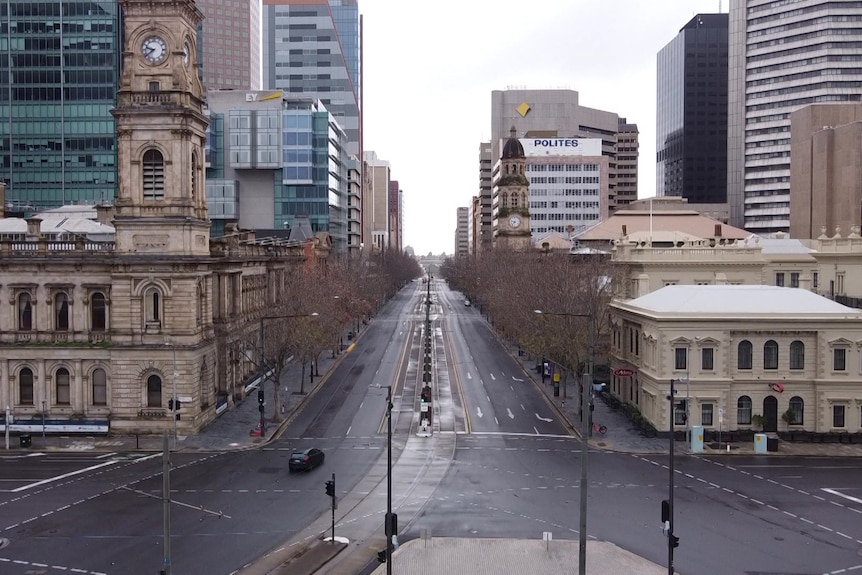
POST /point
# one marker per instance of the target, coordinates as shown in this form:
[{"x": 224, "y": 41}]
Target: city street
[{"x": 501, "y": 464}]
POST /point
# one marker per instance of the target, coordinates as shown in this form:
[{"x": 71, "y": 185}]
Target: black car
[{"x": 306, "y": 459}]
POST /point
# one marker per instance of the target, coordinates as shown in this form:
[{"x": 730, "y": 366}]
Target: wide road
[{"x": 733, "y": 515}]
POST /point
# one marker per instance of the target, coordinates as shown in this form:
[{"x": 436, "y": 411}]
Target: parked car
[
  {"x": 467, "y": 302},
  {"x": 306, "y": 459}
]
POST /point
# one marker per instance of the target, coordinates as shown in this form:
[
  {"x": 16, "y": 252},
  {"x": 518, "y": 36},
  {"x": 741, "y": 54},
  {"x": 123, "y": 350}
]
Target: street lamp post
[
  {"x": 672, "y": 541},
  {"x": 388, "y": 528},
  {"x": 586, "y": 427},
  {"x": 173, "y": 403},
  {"x": 264, "y": 372}
]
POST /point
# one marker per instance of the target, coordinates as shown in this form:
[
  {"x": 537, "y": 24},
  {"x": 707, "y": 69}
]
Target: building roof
[
  {"x": 513, "y": 147},
  {"x": 688, "y": 223},
  {"x": 731, "y": 300},
  {"x": 56, "y": 225}
]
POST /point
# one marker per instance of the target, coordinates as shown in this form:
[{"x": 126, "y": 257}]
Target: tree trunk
[
  {"x": 302, "y": 380},
  {"x": 276, "y": 396}
]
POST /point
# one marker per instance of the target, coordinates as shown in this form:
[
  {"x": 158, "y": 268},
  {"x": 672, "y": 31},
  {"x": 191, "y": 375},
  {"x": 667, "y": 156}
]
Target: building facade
[
  {"x": 462, "y": 232},
  {"x": 691, "y": 112},
  {"x": 483, "y": 213},
  {"x": 108, "y": 335},
  {"x": 396, "y": 214},
  {"x": 58, "y": 76},
  {"x": 311, "y": 49},
  {"x": 375, "y": 202},
  {"x": 826, "y": 174},
  {"x": 512, "y": 198},
  {"x": 754, "y": 358},
  {"x": 273, "y": 159},
  {"x": 782, "y": 56},
  {"x": 230, "y": 47},
  {"x": 569, "y": 182}
]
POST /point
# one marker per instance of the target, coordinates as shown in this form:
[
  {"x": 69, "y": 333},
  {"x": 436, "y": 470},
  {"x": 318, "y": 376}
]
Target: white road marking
[
  {"x": 839, "y": 494},
  {"x": 469, "y": 376},
  {"x": 516, "y": 379},
  {"x": 523, "y": 408},
  {"x": 492, "y": 377},
  {"x": 540, "y": 418},
  {"x": 495, "y": 420},
  {"x": 59, "y": 477},
  {"x": 512, "y": 388},
  {"x": 509, "y": 413},
  {"x": 479, "y": 411},
  {"x": 536, "y": 430},
  {"x": 351, "y": 427}
]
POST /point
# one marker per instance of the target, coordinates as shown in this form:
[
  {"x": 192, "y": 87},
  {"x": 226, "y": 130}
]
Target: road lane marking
[
  {"x": 509, "y": 413},
  {"x": 839, "y": 494},
  {"x": 60, "y": 477},
  {"x": 479, "y": 412},
  {"x": 546, "y": 419},
  {"x": 493, "y": 378}
]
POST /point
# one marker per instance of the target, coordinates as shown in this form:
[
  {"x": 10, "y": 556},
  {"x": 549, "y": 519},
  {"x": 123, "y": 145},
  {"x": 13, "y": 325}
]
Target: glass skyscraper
[
  {"x": 312, "y": 50},
  {"x": 691, "y": 112},
  {"x": 58, "y": 83}
]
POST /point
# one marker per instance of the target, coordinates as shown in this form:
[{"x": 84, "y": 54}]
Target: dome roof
[{"x": 513, "y": 147}]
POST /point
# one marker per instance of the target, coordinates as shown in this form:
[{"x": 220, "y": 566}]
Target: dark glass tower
[
  {"x": 58, "y": 83},
  {"x": 691, "y": 112}
]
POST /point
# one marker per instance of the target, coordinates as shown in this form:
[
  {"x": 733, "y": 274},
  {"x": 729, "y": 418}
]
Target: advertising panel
[{"x": 536, "y": 147}]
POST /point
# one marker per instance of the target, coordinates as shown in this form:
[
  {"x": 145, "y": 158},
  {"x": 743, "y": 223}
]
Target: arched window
[
  {"x": 99, "y": 383},
  {"x": 154, "y": 175},
  {"x": 154, "y": 391},
  {"x": 796, "y": 410},
  {"x": 98, "y": 312},
  {"x": 770, "y": 355},
  {"x": 797, "y": 355},
  {"x": 61, "y": 312},
  {"x": 25, "y": 386},
  {"x": 25, "y": 312},
  {"x": 743, "y": 360},
  {"x": 204, "y": 391},
  {"x": 62, "y": 386},
  {"x": 153, "y": 305},
  {"x": 743, "y": 410}
]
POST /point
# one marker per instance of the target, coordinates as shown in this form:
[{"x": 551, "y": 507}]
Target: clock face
[
  {"x": 514, "y": 221},
  {"x": 187, "y": 50},
  {"x": 154, "y": 49}
]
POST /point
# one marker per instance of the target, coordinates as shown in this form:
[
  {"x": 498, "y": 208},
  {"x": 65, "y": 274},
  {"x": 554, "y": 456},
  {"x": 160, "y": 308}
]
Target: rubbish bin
[
  {"x": 771, "y": 444},
  {"x": 25, "y": 440}
]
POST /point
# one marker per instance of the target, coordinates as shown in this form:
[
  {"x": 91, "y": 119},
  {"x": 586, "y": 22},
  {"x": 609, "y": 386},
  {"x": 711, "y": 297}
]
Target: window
[
  {"x": 794, "y": 279},
  {"x": 99, "y": 383},
  {"x": 770, "y": 355},
  {"x": 797, "y": 355},
  {"x": 25, "y": 386},
  {"x": 744, "y": 353},
  {"x": 779, "y": 279},
  {"x": 61, "y": 312},
  {"x": 153, "y": 305},
  {"x": 743, "y": 410},
  {"x": 837, "y": 416},
  {"x": 154, "y": 391},
  {"x": 680, "y": 356},
  {"x": 154, "y": 175},
  {"x": 706, "y": 414},
  {"x": 839, "y": 359},
  {"x": 796, "y": 410},
  {"x": 98, "y": 312},
  {"x": 706, "y": 356},
  {"x": 25, "y": 312},
  {"x": 62, "y": 387},
  {"x": 679, "y": 409}
]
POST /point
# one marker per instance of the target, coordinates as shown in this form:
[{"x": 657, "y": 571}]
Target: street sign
[{"x": 622, "y": 372}]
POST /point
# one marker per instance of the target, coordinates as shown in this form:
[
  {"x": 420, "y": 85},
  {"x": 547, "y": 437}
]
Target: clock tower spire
[
  {"x": 511, "y": 198},
  {"x": 161, "y": 132}
]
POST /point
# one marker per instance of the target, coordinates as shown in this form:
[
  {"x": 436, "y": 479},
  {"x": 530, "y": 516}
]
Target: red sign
[{"x": 622, "y": 372}]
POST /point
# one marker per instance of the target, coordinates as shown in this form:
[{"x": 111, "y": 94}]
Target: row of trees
[
  {"x": 320, "y": 301},
  {"x": 569, "y": 291}
]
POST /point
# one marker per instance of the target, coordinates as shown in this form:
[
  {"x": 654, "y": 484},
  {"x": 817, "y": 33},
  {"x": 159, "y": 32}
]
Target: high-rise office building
[
  {"x": 691, "y": 112},
  {"x": 375, "y": 202},
  {"x": 311, "y": 49},
  {"x": 483, "y": 213},
  {"x": 558, "y": 115},
  {"x": 275, "y": 162},
  {"x": 59, "y": 64},
  {"x": 462, "y": 232},
  {"x": 395, "y": 215},
  {"x": 229, "y": 50},
  {"x": 782, "y": 56}
]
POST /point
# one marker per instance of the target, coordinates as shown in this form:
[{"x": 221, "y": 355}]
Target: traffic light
[
  {"x": 674, "y": 541},
  {"x": 330, "y": 488},
  {"x": 381, "y": 556},
  {"x": 171, "y": 404},
  {"x": 260, "y": 395},
  {"x": 391, "y": 525},
  {"x": 665, "y": 511}
]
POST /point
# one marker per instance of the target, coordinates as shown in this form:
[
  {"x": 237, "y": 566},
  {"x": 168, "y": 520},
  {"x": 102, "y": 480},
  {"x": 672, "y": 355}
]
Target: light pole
[
  {"x": 173, "y": 402},
  {"x": 672, "y": 541},
  {"x": 389, "y": 523},
  {"x": 586, "y": 421},
  {"x": 264, "y": 372}
]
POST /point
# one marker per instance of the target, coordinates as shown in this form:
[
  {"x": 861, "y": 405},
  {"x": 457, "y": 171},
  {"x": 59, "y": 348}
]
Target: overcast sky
[{"x": 430, "y": 68}]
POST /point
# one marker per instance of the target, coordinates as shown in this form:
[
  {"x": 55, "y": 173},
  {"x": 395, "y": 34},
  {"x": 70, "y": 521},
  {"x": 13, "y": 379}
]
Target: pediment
[{"x": 839, "y": 341}]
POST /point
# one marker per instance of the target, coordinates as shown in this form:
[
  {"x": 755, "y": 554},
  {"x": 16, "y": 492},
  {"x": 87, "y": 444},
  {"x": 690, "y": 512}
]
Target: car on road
[
  {"x": 467, "y": 303},
  {"x": 306, "y": 459}
]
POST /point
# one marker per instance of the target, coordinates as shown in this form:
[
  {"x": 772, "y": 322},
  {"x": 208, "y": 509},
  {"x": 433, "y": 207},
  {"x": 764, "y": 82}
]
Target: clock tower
[
  {"x": 161, "y": 131},
  {"x": 511, "y": 198}
]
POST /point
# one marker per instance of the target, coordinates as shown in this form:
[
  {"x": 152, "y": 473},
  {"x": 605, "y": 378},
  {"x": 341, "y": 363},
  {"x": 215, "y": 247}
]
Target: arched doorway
[{"x": 770, "y": 413}]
